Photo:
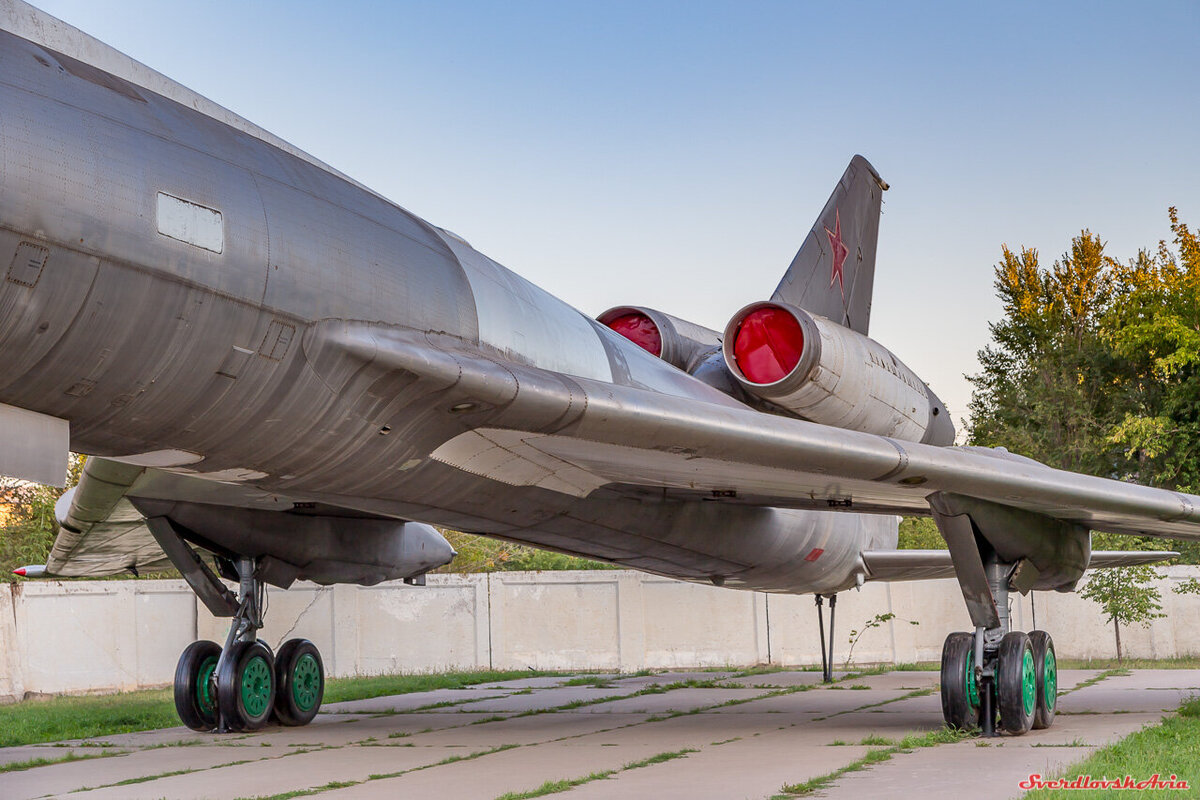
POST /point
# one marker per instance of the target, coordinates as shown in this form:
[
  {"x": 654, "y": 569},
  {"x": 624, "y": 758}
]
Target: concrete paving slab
[
  {"x": 73, "y": 776},
  {"x": 518, "y": 770},
  {"x": 815, "y": 701},
  {"x": 411, "y": 701},
  {"x": 675, "y": 700},
  {"x": 543, "y": 682},
  {"x": 675, "y": 676},
  {"x": 780, "y": 680},
  {"x": 738, "y": 770},
  {"x": 1103, "y": 698},
  {"x": 1068, "y": 679},
  {"x": 531, "y": 730},
  {"x": 544, "y": 699},
  {"x": 29, "y": 752},
  {"x": 277, "y": 775},
  {"x": 896, "y": 681},
  {"x": 746, "y": 750},
  {"x": 946, "y": 772}
]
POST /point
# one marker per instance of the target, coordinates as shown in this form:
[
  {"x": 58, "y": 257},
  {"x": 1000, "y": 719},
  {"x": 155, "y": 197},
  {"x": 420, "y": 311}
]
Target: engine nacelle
[
  {"x": 830, "y": 374},
  {"x": 674, "y": 340}
]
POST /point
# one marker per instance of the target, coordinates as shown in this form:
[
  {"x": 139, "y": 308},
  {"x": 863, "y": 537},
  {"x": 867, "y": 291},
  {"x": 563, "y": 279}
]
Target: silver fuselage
[{"x": 154, "y": 326}]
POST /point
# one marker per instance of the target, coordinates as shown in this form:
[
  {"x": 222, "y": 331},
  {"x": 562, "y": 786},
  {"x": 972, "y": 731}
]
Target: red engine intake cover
[
  {"x": 639, "y": 329},
  {"x": 768, "y": 345}
]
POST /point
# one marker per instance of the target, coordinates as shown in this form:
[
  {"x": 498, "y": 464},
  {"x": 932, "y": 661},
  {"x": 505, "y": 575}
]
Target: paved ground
[{"x": 735, "y": 737}]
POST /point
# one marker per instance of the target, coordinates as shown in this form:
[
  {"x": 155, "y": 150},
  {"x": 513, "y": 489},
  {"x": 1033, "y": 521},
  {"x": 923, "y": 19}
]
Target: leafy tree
[
  {"x": 484, "y": 554},
  {"x": 28, "y": 528},
  {"x": 920, "y": 533},
  {"x": 1126, "y": 595},
  {"x": 1095, "y": 366}
]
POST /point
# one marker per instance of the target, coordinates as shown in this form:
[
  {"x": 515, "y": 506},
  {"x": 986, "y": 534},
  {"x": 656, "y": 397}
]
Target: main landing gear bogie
[
  {"x": 250, "y": 687},
  {"x": 1017, "y": 684}
]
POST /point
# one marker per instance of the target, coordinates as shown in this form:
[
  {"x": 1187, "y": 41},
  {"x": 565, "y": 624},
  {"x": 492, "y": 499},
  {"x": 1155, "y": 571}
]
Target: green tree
[
  {"x": 1043, "y": 390},
  {"x": 1095, "y": 366},
  {"x": 1126, "y": 595},
  {"x": 29, "y": 527},
  {"x": 484, "y": 554},
  {"x": 920, "y": 533}
]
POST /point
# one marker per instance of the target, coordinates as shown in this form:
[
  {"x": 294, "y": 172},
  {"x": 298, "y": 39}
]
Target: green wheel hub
[
  {"x": 1050, "y": 679},
  {"x": 969, "y": 680},
  {"x": 256, "y": 686},
  {"x": 1028, "y": 682},
  {"x": 306, "y": 682},
  {"x": 206, "y": 696}
]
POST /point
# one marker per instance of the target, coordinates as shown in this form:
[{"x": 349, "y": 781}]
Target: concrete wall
[{"x": 85, "y": 636}]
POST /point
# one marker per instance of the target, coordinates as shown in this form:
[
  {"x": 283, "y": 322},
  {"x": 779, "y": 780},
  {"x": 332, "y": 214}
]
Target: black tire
[
  {"x": 1016, "y": 683},
  {"x": 195, "y": 685},
  {"x": 246, "y": 686},
  {"x": 300, "y": 678},
  {"x": 960, "y": 698},
  {"x": 1045, "y": 664},
  {"x": 282, "y": 715}
]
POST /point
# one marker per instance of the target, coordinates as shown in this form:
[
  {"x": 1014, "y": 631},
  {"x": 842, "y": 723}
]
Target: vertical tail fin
[{"x": 834, "y": 270}]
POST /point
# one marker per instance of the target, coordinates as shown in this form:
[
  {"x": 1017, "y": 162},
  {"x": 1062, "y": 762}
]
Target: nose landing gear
[{"x": 241, "y": 686}]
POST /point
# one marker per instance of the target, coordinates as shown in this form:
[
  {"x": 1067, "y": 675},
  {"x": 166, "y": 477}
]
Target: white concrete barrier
[{"x": 97, "y": 636}]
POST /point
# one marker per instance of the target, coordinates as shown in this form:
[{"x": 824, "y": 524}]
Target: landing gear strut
[{"x": 241, "y": 686}]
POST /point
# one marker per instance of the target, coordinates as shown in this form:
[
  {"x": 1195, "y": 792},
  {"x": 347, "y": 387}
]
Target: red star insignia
[{"x": 840, "y": 251}]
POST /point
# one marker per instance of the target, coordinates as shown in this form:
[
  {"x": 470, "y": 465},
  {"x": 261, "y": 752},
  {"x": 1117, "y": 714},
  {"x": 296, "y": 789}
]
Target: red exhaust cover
[
  {"x": 639, "y": 329},
  {"x": 768, "y": 345}
]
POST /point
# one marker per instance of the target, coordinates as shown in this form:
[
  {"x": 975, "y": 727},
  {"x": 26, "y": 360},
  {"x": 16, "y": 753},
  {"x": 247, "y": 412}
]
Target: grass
[
  {"x": 1170, "y": 748},
  {"x": 53, "y": 719},
  {"x": 57, "y": 718},
  {"x": 17, "y": 766}
]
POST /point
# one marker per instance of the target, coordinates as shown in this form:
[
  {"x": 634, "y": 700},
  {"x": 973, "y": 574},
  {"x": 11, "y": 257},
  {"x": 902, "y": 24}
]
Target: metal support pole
[
  {"x": 832, "y": 608},
  {"x": 821, "y": 636}
]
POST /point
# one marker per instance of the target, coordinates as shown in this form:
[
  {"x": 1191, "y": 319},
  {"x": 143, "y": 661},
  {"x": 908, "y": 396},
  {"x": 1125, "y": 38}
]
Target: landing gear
[
  {"x": 994, "y": 676},
  {"x": 241, "y": 686}
]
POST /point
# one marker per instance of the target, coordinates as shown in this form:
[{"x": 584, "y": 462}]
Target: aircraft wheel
[
  {"x": 300, "y": 678},
  {"x": 1016, "y": 683},
  {"x": 1045, "y": 665},
  {"x": 246, "y": 686},
  {"x": 196, "y": 686},
  {"x": 960, "y": 695}
]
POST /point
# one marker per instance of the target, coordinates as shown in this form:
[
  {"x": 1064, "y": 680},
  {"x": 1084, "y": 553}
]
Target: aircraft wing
[
  {"x": 101, "y": 533},
  {"x": 920, "y": 565},
  {"x": 574, "y": 435}
]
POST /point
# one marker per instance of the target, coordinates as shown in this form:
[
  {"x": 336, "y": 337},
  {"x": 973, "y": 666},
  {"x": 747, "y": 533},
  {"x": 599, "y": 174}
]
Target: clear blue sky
[{"x": 675, "y": 154}]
